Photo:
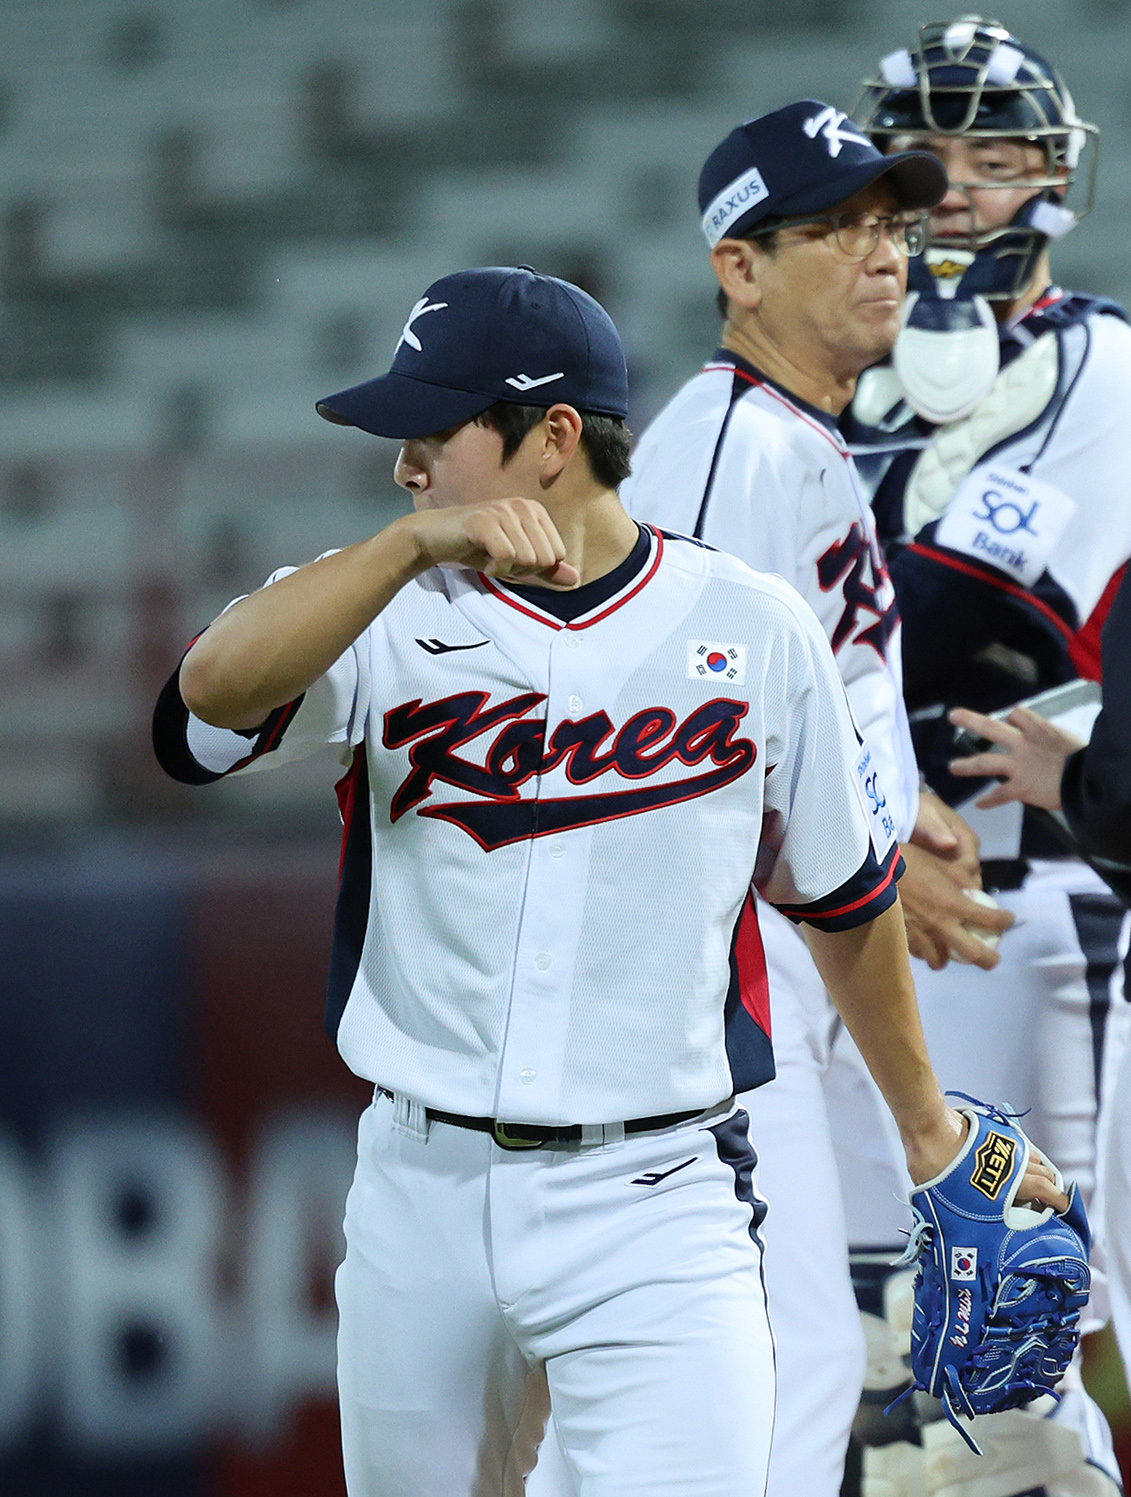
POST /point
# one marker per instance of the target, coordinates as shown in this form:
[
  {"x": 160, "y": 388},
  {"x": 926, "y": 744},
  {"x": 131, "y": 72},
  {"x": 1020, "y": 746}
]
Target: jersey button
[
  {"x": 542, "y": 960},
  {"x": 574, "y": 705},
  {"x": 572, "y": 640},
  {"x": 527, "y": 1075},
  {"x": 556, "y": 849}
]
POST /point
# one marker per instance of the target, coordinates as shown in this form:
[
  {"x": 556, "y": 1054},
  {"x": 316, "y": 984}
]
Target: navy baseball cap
[
  {"x": 478, "y": 336},
  {"x": 802, "y": 159}
]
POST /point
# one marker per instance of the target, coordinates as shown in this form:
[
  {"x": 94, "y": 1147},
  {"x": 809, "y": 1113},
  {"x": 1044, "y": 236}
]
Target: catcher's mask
[{"x": 972, "y": 78}]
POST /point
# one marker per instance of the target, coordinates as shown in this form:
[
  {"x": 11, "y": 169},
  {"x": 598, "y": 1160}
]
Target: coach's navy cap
[
  {"x": 496, "y": 333},
  {"x": 801, "y": 159}
]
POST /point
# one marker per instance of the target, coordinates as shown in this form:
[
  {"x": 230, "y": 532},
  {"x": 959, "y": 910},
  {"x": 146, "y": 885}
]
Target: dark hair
[
  {"x": 766, "y": 234},
  {"x": 606, "y": 440}
]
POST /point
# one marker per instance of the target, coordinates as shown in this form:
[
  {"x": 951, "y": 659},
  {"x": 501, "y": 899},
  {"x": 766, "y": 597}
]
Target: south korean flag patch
[
  {"x": 707, "y": 660},
  {"x": 963, "y": 1265}
]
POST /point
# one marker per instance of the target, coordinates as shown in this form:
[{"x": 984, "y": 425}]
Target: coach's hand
[
  {"x": 514, "y": 539},
  {"x": 942, "y": 863},
  {"x": 1028, "y": 759}
]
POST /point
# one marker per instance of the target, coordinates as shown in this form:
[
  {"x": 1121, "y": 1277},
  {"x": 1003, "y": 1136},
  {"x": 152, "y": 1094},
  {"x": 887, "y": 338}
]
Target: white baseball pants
[{"x": 625, "y": 1278}]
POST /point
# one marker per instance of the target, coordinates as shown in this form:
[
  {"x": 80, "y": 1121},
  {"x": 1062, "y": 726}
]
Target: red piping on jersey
[
  {"x": 760, "y": 384},
  {"x": 286, "y": 713},
  {"x": 750, "y": 961},
  {"x": 505, "y": 597},
  {"x": 1050, "y": 299},
  {"x": 995, "y": 581},
  {"x": 346, "y": 791},
  {"x": 279, "y": 729},
  {"x": 541, "y": 618},
  {"x": 807, "y": 913},
  {"x": 1086, "y": 650}
]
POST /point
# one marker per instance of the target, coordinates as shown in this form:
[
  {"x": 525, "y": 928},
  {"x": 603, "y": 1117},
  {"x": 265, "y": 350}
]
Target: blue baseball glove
[{"x": 999, "y": 1287}]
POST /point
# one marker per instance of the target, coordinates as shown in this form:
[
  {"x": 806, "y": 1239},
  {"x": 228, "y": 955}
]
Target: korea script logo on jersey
[
  {"x": 851, "y": 564},
  {"x": 516, "y": 748}
]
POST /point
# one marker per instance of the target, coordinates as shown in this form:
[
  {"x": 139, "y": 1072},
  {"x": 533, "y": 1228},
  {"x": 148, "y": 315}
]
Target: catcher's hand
[{"x": 1000, "y": 1286}]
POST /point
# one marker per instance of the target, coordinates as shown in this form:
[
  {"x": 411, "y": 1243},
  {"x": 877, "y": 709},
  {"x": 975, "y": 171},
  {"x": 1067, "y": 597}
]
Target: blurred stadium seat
[{"x": 212, "y": 211}]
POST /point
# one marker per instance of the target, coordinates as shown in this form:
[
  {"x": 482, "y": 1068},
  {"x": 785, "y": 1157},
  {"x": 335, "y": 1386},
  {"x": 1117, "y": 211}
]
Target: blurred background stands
[{"x": 213, "y": 211}]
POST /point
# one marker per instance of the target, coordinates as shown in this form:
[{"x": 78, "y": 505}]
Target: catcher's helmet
[{"x": 971, "y": 77}]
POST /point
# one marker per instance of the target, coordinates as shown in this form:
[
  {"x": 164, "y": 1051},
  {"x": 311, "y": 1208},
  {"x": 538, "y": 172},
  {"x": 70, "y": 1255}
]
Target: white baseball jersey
[
  {"x": 1028, "y": 488},
  {"x": 1011, "y": 525},
  {"x": 566, "y": 820},
  {"x": 750, "y": 468}
]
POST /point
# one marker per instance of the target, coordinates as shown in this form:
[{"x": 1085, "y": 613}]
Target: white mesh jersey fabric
[
  {"x": 734, "y": 461},
  {"x": 566, "y": 822},
  {"x": 1079, "y": 447}
]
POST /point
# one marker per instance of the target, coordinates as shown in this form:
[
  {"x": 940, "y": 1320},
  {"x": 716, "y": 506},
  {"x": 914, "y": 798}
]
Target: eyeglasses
[{"x": 857, "y": 234}]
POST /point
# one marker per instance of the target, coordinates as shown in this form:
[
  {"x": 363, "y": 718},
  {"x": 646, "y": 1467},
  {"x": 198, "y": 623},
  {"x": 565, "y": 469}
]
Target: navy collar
[
  {"x": 571, "y": 604},
  {"x": 728, "y": 356}
]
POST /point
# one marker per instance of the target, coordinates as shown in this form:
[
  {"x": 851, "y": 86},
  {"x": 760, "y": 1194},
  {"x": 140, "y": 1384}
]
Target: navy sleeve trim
[
  {"x": 995, "y": 579},
  {"x": 170, "y": 736},
  {"x": 868, "y": 893}
]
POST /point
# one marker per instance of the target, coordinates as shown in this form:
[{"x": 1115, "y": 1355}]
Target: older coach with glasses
[
  {"x": 812, "y": 269},
  {"x": 810, "y": 229}
]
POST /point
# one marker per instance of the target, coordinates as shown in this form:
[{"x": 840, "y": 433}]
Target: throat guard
[{"x": 947, "y": 355}]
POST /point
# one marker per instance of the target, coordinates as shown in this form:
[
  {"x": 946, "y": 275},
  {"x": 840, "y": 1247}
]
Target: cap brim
[
  {"x": 917, "y": 179},
  {"x": 396, "y": 405}
]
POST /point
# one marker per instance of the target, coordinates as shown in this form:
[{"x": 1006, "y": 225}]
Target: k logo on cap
[
  {"x": 480, "y": 336},
  {"x": 803, "y": 159},
  {"x": 836, "y": 128},
  {"x": 407, "y": 334}
]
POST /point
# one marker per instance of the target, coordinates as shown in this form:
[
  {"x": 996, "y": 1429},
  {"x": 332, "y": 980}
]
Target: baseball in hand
[{"x": 987, "y": 937}]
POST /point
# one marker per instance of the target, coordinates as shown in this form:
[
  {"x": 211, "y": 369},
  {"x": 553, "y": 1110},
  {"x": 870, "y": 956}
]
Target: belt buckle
[{"x": 507, "y": 1140}]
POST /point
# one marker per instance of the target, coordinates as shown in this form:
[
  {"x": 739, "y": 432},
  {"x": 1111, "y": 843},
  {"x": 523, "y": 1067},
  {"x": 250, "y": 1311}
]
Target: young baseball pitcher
[{"x": 572, "y": 747}]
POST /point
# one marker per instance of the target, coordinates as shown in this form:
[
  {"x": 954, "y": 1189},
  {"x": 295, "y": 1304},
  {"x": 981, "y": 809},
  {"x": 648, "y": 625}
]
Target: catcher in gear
[{"x": 996, "y": 447}]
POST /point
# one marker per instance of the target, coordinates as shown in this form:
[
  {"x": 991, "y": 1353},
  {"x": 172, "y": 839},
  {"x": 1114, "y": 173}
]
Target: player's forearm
[
  {"x": 867, "y": 972},
  {"x": 273, "y": 645}
]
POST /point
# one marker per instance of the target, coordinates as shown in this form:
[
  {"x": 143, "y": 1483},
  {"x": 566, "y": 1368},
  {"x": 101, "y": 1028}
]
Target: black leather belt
[{"x": 539, "y": 1136}]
